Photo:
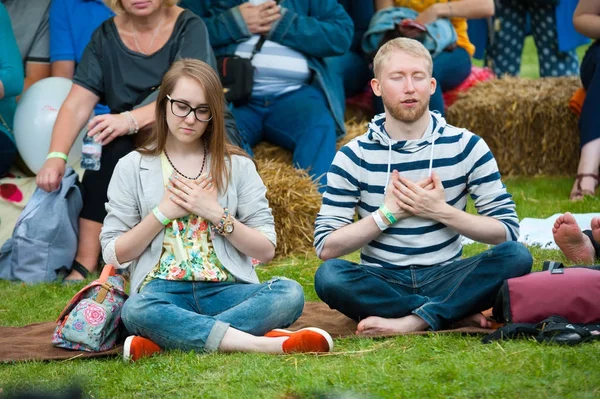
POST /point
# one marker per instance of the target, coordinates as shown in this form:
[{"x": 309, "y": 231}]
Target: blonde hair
[
  {"x": 403, "y": 44},
  {"x": 117, "y": 6},
  {"x": 214, "y": 136}
]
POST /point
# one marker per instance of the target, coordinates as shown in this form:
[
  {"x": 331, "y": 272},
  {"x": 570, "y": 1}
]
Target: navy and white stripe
[
  {"x": 356, "y": 182},
  {"x": 278, "y": 69}
]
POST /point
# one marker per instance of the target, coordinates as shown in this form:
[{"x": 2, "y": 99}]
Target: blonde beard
[{"x": 405, "y": 115}]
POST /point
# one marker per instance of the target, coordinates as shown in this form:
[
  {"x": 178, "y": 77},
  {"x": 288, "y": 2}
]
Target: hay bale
[
  {"x": 295, "y": 202},
  {"x": 266, "y": 150},
  {"x": 526, "y": 123},
  {"x": 293, "y": 195}
]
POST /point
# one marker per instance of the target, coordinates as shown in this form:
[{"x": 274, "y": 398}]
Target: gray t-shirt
[
  {"x": 29, "y": 20},
  {"x": 121, "y": 77}
]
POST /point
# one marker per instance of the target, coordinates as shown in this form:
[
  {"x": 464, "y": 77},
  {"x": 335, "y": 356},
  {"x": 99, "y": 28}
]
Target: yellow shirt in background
[{"x": 460, "y": 24}]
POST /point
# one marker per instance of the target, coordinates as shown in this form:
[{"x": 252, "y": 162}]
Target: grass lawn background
[{"x": 428, "y": 366}]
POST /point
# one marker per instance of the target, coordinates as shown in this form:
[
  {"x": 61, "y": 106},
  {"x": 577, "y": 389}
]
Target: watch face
[{"x": 228, "y": 228}]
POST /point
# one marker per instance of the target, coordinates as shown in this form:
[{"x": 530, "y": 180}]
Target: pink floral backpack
[{"x": 90, "y": 321}]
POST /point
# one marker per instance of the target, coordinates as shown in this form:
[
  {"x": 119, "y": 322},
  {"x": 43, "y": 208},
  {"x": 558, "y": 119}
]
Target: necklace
[
  {"x": 187, "y": 177},
  {"x": 137, "y": 45}
]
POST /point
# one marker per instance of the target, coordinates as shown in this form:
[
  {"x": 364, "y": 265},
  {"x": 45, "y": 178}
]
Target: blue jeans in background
[
  {"x": 352, "y": 70},
  {"x": 299, "y": 121},
  {"x": 438, "y": 294},
  {"x": 450, "y": 69},
  {"x": 195, "y": 315}
]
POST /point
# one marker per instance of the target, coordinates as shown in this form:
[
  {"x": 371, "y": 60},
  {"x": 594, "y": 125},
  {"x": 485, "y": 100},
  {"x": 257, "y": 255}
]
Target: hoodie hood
[{"x": 377, "y": 134}]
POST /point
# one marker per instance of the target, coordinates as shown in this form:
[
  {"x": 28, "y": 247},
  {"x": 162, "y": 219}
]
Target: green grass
[
  {"x": 430, "y": 366},
  {"x": 425, "y": 366}
]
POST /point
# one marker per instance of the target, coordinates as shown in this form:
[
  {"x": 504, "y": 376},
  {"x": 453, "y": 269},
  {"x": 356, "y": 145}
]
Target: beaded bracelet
[
  {"x": 133, "y": 125},
  {"x": 219, "y": 227}
]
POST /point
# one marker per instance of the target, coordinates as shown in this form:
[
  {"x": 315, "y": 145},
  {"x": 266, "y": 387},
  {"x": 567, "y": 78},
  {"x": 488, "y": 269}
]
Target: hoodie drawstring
[{"x": 387, "y": 176}]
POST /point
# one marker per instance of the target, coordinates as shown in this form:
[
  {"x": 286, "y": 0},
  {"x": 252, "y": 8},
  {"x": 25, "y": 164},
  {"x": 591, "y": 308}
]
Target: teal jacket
[
  {"x": 11, "y": 73},
  {"x": 316, "y": 28}
]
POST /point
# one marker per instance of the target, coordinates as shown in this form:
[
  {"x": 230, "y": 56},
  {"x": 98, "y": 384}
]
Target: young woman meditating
[{"x": 187, "y": 212}]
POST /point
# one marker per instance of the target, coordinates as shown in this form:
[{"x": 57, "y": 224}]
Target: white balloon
[{"x": 34, "y": 119}]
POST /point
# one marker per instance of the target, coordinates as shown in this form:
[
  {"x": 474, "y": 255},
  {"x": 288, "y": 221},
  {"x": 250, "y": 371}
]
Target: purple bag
[{"x": 572, "y": 293}]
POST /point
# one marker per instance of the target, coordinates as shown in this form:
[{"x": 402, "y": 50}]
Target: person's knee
[
  {"x": 133, "y": 312},
  {"x": 518, "y": 259},
  {"x": 293, "y": 293},
  {"x": 327, "y": 278}
]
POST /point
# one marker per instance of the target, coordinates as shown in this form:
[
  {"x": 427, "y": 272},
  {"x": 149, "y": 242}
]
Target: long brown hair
[{"x": 214, "y": 136}]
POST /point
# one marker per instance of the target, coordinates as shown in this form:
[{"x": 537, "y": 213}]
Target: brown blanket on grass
[{"x": 32, "y": 342}]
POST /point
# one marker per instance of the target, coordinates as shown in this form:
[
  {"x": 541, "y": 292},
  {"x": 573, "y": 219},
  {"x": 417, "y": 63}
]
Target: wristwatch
[{"x": 228, "y": 226}]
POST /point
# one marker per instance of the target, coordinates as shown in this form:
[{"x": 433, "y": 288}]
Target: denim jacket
[{"x": 316, "y": 28}]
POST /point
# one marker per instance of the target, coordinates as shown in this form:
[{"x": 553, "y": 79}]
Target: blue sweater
[
  {"x": 362, "y": 168},
  {"x": 11, "y": 72}
]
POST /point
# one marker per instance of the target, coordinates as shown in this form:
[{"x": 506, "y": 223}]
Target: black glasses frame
[{"x": 190, "y": 110}]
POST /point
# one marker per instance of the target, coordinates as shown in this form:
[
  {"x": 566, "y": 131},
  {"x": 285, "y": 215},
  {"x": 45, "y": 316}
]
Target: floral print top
[{"x": 188, "y": 253}]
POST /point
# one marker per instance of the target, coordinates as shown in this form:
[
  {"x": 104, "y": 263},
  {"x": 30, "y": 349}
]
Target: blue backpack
[
  {"x": 440, "y": 33},
  {"x": 44, "y": 240}
]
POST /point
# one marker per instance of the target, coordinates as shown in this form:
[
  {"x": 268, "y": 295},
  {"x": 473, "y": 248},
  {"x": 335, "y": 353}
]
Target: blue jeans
[
  {"x": 299, "y": 121},
  {"x": 450, "y": 69},
  {"x": 195, "y": 315},
  {"x": 438, "y": 294},
  {"x": 351, "y": 70}
]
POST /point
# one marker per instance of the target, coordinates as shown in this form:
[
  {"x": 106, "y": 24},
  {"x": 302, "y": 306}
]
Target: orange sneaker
[
  {"x": 136, "y": 347},
  {"x": 310, "y": 339}
]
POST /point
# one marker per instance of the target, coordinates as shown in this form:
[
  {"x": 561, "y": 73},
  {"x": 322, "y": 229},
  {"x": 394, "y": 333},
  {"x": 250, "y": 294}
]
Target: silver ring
[{"x": 109, "y": 130}]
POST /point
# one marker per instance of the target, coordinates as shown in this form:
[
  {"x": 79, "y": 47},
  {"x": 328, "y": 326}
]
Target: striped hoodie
[{"x": 362, "y": 168}]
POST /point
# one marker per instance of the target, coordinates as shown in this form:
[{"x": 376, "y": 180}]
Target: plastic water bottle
[{"x": 90, "y": 153}]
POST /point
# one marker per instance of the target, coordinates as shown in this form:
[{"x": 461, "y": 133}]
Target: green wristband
[
  {"x": 161, "y": 217},
  {"x": 388, "y": 214},
  {"x": 56, "y": 154}
]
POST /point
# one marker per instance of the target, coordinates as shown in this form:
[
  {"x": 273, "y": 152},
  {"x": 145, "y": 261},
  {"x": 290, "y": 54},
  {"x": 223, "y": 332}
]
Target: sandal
[
  {"x": 579, "y": 193},
  {"x": 78, "y": 267}
]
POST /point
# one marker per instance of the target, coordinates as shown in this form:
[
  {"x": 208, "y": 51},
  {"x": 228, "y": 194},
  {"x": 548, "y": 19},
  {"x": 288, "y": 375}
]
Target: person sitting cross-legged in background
[
  {"x": 408, "y": 178},
  {"x": 296, "y": 102}
]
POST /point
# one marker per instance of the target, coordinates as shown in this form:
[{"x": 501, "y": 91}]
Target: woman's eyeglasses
[{"x": 181, "y": 109}]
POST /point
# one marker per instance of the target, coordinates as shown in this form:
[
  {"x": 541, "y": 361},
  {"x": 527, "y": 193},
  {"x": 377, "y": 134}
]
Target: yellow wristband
[{"x": 56, "y": 154}]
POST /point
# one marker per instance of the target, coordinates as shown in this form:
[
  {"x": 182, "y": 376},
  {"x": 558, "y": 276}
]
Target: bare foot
[
  {"x": 576, "y": 246},
  {"x": 474, "y": 320},
  {"x": 374, "y": 325},
  {"x": 595, "y": 226}
]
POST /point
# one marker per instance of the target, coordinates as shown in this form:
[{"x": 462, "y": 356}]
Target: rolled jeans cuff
[
  {"x": 428, "y": 319},
  {"x": 216, "y": 336}
]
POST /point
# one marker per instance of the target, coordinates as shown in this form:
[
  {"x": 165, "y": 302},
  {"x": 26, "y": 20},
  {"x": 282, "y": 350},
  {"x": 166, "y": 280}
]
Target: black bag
[{"x": 237, "y": 75}]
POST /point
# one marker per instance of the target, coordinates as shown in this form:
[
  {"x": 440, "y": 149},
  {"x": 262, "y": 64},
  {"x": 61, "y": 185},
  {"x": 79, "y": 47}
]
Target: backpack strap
[
  {"x": 105, "y": 287},
  {"x": 511, "y": 331}
]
